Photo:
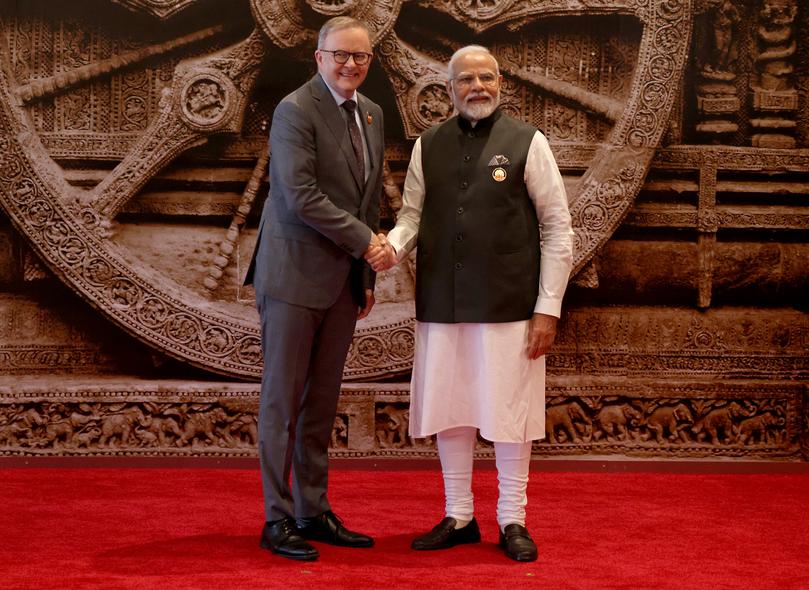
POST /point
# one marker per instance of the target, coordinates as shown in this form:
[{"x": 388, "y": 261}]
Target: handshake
[{"x": 380, "y": 254}]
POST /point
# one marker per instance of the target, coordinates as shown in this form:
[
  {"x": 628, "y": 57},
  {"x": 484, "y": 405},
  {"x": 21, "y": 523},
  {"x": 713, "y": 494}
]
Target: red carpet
[{"x": 189, "y": 528}]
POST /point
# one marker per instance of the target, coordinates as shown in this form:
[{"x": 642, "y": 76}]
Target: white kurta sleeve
[
  {"x": 404, "y": 235},
  {"x": 547, "y": 191}
]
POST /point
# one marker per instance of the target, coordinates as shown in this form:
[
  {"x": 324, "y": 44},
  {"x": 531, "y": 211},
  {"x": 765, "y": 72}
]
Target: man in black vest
[{"x": 485, "y": 204}]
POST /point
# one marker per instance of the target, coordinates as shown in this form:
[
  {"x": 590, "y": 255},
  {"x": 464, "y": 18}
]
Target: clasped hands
[{"x": 380, "y": 254}]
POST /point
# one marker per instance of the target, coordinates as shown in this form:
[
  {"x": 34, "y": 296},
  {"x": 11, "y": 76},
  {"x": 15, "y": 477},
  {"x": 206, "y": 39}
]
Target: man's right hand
[
  {"x": 373, "y": 245},
  {"x": 380, "y": 254},
  {"x": 541, "y": 334}
]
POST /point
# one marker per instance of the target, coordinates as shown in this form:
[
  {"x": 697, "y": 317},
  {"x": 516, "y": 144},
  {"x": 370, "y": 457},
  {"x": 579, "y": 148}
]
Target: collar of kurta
[{"x": 482, "y": 126}]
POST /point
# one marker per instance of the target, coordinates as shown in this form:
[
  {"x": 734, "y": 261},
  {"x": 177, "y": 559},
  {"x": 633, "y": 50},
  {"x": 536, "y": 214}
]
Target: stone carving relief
[
  {"x": 391, "y": 426},
  {"x": 112, "y": 427},
  {"x": 339, "y": 434},
  {"x": 160, "y": 8},
  {"x": 567, "y": 422},
  {"x": 668, "y": 423},
  {"x": 76, "y": 231},
  {"x": 775, "y": 98},
  {"x": 132, "y": 170},
  {"x": 434, "y": 104},
  {"x": 607, "y": 417},
  {"x": 717, "y": 97},
  {"x": 674, "y": 425},
  {"x": 205, "y": 99}
]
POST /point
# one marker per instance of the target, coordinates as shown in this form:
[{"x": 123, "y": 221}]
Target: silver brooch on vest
[{"x": 499, "y": 173}]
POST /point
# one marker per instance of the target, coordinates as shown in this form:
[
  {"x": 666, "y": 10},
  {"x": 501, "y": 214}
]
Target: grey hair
[
  {"x": 338, "y": 23},
  {"x": 465, "y": 51}
]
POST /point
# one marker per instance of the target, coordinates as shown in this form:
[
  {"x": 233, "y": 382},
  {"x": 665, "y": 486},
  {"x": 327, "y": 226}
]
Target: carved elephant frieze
[
  {"x": 670, "y": 423},
  {"x": 611, "y": 421},
  {"x": 117, "y": 428},
  {"x": 569, "y": 419},
  {"x": 719, "y": 424}
]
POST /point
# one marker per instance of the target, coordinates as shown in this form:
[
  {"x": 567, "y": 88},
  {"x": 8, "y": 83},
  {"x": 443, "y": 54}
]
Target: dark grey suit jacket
[{"x": 315, "y": 224}]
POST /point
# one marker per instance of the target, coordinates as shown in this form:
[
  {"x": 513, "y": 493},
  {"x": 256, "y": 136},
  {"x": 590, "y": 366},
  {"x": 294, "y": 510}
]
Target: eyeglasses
[
  {"x": 466, "y": 80},
  {"x": 341, "y": 57}
]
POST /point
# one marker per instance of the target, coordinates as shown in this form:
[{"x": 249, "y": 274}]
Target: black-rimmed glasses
[{"x": 341, "y": 57}]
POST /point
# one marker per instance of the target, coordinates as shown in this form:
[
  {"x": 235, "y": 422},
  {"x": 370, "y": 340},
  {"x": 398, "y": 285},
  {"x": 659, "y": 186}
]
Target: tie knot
[{"x": 350, "y": 106}]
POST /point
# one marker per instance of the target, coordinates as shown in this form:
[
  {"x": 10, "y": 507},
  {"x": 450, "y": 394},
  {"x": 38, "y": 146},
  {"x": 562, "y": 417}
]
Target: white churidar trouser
[{"x": 455, "y": 449}]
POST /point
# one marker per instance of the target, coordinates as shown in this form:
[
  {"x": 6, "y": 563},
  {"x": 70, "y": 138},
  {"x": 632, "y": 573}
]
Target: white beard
[{"x": 477, "y": 111}]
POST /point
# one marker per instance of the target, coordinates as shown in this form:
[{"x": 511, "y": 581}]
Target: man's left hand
[
  {"x": 369, "y": 303},
  {"x": 541, "y": 333}
]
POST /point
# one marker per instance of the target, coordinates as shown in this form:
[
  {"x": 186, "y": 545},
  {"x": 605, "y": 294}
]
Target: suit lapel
[
  {"x": 373, "y": 137},
  {"x": 328, "y": 109},
  {"x": 369, "y": 128}
]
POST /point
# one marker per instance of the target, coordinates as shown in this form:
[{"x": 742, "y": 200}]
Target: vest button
[
  {"x": 460, "y": 210},
  {"x": 467, "y": 158},
  {"x": 458, "y": 266},
  {"x": 464, "y": 185},
  {"x": 471, "y": 134}
]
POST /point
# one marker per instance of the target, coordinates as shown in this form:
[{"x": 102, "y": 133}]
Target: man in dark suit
[{"x": 312, "y": 283}]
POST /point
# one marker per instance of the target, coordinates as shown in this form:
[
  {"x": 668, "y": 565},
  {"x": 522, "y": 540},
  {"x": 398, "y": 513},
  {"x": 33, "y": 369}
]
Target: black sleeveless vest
[{"x": 478, "y": 242}]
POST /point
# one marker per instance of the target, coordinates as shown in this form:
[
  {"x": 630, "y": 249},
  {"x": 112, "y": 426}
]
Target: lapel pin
[{"x": 369, "y": 118}]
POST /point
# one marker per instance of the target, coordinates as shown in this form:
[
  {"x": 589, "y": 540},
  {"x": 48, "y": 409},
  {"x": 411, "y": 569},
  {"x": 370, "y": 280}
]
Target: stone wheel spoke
[
  {"x": 206, "y": 96},
  {"x": 592, "y": 102},
  {"x": 41, "y": 88},
  {"x": 228, "y": 245}
]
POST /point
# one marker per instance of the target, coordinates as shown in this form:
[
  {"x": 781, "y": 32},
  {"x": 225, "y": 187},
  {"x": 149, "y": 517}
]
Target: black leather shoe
[
  {"x": 444, "y": 535},
  {"x": 328, "y": 528},
  {"x": 282, "y": 538},
  {"x": 517, "y": 543}
]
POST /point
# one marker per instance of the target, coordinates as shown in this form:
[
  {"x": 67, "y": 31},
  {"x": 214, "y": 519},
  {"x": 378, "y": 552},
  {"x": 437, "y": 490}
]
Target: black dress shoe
[
  {"x": 327, "y": 527},
  {"x": 444, "y": 535},
  {"x": 282, "y": 538},
  {"x": 517, "y": 543}
]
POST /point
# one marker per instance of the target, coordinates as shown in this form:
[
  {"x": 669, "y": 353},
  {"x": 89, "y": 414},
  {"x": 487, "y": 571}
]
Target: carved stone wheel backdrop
[{"x": 73, "y": 229}]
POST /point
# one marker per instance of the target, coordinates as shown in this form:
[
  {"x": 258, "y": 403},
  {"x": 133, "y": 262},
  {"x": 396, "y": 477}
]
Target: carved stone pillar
[
  {"x": 775, "y": 98},
  {"x": 717, "y": 99},
  {"x": 718, "y": 103}
]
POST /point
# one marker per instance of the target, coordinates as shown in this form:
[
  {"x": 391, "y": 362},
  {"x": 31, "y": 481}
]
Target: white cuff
[{"x": 549, "y": 306}]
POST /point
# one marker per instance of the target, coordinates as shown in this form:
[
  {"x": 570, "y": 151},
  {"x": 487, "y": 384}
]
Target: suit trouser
[{"x": 304, "y": 354}]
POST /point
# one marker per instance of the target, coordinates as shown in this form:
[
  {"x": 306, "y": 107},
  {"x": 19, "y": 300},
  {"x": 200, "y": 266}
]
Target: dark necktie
[{"x": 356, "y": 140}]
